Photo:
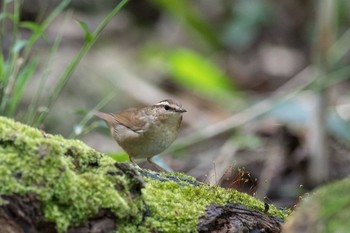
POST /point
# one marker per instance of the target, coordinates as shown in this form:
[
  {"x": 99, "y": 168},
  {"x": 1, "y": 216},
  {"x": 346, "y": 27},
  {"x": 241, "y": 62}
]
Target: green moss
[
  {"x": 326, "y": 210},
  {"x": 68, "y": 177},
  {"x": 176, "y": 208},
  {"x": 73, "y": 182},
  {"x": 333, "y": 202}
]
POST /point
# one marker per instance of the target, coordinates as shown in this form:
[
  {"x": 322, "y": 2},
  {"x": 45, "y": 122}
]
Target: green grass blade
[
  {"x": 2, "y": 69},
  {"x": 31, "y": 112},
  {"x": 39, "y": 30},
  {"x": 62, "y": 81},
  {"x": 81, "y": 126},
  {"x": 11, "y": 70},
  {"x": 21, "y": 81}
]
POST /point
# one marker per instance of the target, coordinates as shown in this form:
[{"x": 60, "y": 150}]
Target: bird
[{"x": 147, "y": 131}]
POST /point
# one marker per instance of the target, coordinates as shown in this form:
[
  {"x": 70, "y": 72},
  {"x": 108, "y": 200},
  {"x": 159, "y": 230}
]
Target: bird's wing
[{"x": 129, "y": 120}]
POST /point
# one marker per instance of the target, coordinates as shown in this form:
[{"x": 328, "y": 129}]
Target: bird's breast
[{"x": 151, "y": 140}]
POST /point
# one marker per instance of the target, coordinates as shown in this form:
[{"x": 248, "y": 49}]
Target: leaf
[
  {"x": 243, "y": 28},
  {"x": 199, "y": 74},
  {"x": 187, "y": 14},
  {"x": 31, "y": 26},
  {"x": 88, "y": 34},
  {"x": 5, "y": 15},
  {"x": 19, "y": 45},
  {"x": 121, "y": 157},
  {"x": 246, "y": 141}
]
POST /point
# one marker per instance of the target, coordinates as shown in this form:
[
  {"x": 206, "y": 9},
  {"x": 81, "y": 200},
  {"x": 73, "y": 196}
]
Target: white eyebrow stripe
[{"x": 163, "y": 103}]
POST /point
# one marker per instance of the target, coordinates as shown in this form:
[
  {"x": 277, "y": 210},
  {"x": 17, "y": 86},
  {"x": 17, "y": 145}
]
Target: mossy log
[
  {"x": 325, "y": 211},
  {"x": 51, "y": 184}
]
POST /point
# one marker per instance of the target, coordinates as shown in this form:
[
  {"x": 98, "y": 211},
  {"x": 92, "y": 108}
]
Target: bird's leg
[
  {"x": 149, "y": 160},
  {"x": 133, "y": 162}
]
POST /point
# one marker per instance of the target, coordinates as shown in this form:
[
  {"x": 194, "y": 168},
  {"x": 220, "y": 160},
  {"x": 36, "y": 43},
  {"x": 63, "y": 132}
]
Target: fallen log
[{"x": 51, "y": 184}]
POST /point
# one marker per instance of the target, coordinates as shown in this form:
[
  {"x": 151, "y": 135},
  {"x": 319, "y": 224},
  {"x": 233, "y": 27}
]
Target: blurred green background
[{"x": 243, "y": 69}]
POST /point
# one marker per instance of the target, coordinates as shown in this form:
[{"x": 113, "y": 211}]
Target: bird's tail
[{"x": 109, "y": 118}]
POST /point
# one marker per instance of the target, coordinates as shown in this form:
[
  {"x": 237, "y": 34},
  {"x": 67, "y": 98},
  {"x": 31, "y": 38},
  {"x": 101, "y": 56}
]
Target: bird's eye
[{"x": 167, "y": 107}]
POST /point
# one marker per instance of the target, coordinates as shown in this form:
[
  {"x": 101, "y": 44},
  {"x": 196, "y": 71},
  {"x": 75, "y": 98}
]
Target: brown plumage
[{"x": 145, "y": 132}]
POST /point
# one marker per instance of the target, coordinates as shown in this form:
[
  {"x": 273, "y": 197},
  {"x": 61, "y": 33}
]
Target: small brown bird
[{"x": 145, "y": 132}]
